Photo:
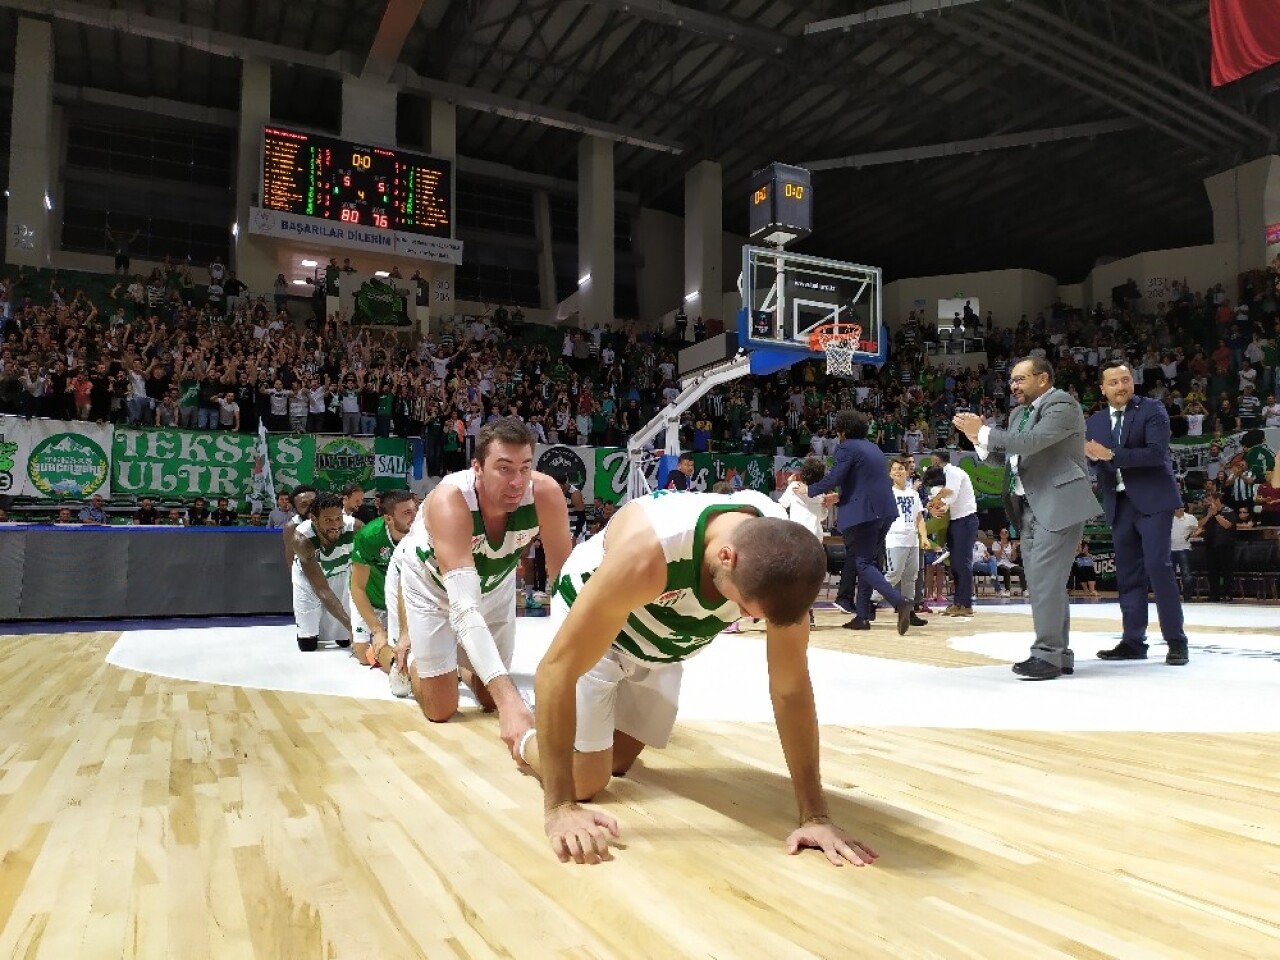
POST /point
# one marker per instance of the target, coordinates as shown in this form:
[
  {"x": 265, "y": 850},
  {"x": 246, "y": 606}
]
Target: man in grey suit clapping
[{"x": 1048, "y": 495}]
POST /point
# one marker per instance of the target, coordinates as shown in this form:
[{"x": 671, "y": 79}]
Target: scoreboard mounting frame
[
  {"x": 356, "y": 184},
  {"x": 780, "y": 205}
]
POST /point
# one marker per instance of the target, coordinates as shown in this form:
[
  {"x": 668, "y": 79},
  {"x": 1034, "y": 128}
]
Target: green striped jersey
[
  {"x": 372, "y": 548},
  {"x": 495, "y": 561},
  {"x": 680, "y": 621},
  {"x": 334, "y": 560}
]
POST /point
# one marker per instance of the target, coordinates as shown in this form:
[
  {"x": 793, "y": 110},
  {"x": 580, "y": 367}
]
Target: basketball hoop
[{"x": 840, "y": 342}]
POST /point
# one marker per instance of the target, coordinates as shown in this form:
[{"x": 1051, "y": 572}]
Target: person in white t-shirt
[
  {"x": 961, "y": 504},
  {"x": 1271, "y": 411},
  {"x": 907, "y": 536},
  {"x": 1184, "y": 525},
  {"x": 810, "y": 512}
]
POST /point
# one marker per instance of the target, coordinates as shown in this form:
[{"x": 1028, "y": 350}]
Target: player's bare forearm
[
  {"x": 360, "y": 595},
  {"x": 554, "y": 692},
  {"x": 797, "y": 722}
]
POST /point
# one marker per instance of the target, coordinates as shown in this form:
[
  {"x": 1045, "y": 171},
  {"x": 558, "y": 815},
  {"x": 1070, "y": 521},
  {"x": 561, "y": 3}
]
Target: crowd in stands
[{"x": 162, "y": 351}]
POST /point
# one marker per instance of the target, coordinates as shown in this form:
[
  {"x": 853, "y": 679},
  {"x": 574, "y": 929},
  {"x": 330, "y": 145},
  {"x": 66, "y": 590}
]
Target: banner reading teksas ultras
[{"x": 192, "y": 463}]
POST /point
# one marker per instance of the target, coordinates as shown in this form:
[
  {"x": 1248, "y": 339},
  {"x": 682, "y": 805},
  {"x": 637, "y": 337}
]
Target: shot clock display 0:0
[
  {"x": 781, "y": 207},
  {"x": 381, "y": 188}
]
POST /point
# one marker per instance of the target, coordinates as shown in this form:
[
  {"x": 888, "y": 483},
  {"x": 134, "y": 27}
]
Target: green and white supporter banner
[
  {"x": 376, "y": 463},
  {"x": 202, "y": 463},
  {"x": 54, "y": 459}
]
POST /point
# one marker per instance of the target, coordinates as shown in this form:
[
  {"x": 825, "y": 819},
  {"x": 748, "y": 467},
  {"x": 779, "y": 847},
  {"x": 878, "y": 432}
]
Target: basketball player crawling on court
[
  {"x": 457, "y": 576},
  {"x": 669, "y": 573},
  {"x": 321, "y": 573}
]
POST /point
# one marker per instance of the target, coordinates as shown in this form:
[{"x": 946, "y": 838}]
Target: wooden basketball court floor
[{"x": 1130, "y": 811}]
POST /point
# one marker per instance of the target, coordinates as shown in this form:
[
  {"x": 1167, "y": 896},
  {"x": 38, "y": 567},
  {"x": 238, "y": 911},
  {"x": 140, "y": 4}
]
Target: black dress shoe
[
  {"x": 918, "y": 621},
  {"x": 1123, "y": 651},
  {"x": 907, "y": 616},
  {"x": 857, "y": 623},
  {"x": 1034, "y": 668},
  {"x": 1177, "y": 655}
]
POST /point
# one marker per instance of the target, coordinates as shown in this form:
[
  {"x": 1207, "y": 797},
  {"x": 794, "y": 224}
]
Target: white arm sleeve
[{"x": 463, "y": 588}]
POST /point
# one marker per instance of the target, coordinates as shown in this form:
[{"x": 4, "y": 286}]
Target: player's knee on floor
[
  {"x": 438, "y": 697},
  {"x": 591, "y": 774},
  {"x": 308, "y": 644}
]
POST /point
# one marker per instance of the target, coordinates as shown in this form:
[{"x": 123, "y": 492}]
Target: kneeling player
[
  {"x": 321, "y": 570},
  {"x": 457, "y": 578},
  {"x": 371, "y": 583},
  {"x": 668, "y": 574}
]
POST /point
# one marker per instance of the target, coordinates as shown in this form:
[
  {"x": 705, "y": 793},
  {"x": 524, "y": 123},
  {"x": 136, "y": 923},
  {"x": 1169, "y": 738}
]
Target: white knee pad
[{"x": 463, "y": 588}]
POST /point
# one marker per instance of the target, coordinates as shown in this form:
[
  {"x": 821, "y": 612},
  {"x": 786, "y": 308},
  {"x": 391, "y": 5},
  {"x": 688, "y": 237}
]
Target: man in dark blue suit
[
  {"x": 864, "y": 513},
  {"x": 1129, "y": 443}
]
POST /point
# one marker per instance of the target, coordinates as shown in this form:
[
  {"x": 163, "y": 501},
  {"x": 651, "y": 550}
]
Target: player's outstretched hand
[
  {"x": 579, "y": 834},
  {"x": 839, "y": 847}
]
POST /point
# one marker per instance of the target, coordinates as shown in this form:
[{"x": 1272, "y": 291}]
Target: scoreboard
[
  {"x": 781, "y": 204},
  {"x": 309, "y": 175}
]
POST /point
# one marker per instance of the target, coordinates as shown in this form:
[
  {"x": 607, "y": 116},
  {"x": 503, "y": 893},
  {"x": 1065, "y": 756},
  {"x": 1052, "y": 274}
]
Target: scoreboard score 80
[{"x": 380, "y": 188}]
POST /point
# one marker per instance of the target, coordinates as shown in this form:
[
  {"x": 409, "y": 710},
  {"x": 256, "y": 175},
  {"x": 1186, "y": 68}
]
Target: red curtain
[{"x": 1246, "y": 37}]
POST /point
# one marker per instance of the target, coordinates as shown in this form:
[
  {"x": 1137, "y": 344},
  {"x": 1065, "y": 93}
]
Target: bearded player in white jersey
[
  {"x": 457, "y": 576},
  {"x": 669, "y": 573}
]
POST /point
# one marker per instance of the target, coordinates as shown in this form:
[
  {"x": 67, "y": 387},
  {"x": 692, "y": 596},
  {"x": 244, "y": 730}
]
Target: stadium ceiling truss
[{"x": 945, "y": 135}]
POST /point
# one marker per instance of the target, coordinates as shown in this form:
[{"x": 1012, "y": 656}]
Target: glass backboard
[{"x": 788, "y": 297}]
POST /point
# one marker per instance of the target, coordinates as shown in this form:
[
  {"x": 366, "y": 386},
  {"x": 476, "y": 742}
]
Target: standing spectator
[
  {"x": 1218, "y": 527},
  {"x": 121, "y": 244},
  {"x": 228, "y": 411},
  {"x": 299, "y": 407},
  {"x": 281, "y": 293},
  {"x": 1181, "y": 531},
  {"x": 349, "y": 405},
  {"x": 234, "y": 290},
  {"x": 961, "y": 503}
]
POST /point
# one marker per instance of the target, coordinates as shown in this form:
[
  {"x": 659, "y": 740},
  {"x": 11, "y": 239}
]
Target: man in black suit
[{"x": 865, "y": 512}]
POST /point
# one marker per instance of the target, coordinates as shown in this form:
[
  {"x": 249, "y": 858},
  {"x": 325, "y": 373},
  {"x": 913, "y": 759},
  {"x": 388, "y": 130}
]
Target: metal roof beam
[
  {"x": 397, "y": 20},
  {"x": 959, "y": 147},
  {"x": 243, "y": 48},
  {"x": 70, "y": 94},
  {"x": 723, "y": 29},
  {"x": 890, "y": 11},
  {"x": 1112, "y": 54}
]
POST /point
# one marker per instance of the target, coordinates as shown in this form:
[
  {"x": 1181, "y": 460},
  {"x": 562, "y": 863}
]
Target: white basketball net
[{"x": 840, "y": 354}]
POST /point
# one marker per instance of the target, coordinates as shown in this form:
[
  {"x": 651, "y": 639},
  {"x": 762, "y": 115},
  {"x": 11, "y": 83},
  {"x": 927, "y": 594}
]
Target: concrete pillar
[
  {"x": 28, "y": 237},
  {"x": 703, "y": 245},
  {"x": 546, "y": 259},
  {"x": 254, "y": 258},
  {"x": 368, "y": 111},
  {"x": 1245, "y": 200},
  {"x": 442, "y": 141},
  {"x": 595, "y": 231}
]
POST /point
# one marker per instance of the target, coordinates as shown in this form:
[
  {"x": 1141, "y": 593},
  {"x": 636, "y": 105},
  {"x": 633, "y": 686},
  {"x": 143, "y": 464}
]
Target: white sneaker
[{"x": 398, "y": 680}]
